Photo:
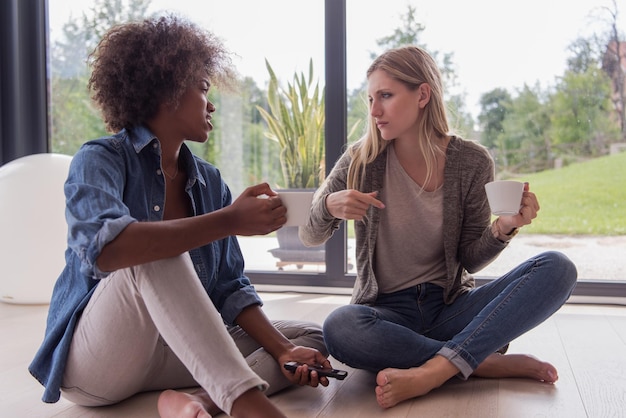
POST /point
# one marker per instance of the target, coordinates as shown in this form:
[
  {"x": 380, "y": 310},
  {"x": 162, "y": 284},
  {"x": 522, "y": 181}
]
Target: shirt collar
[
  {"x": 194, "y": 173},
  {"x": 141, "y": 137}
]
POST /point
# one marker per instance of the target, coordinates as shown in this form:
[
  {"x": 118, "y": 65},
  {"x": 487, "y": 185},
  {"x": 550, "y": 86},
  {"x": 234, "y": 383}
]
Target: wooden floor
[{"x": 587, "y": 344}]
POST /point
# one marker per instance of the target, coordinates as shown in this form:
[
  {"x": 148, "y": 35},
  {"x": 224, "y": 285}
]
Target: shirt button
[
  {"x": 155, "y": 145},
  {"x": 157, "y": 208},
  {"x": 158, "y": 172}
]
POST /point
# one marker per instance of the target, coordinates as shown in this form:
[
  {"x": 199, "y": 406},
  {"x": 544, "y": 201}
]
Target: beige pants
[{"x": 153, "y": 327}]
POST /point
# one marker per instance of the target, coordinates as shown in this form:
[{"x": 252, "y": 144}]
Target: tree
[
  {"x": 606, "y": 50},
  {"x": 584, "y": 54},
  {"x": 614, "y": 64},
  {"x": 409, "y": 33},
  {"x": 357, "y": 107},
  {"x": 461, "y": 121},
  {"x": 74, "y": 119},
  {"x": 81, "y": 35},
  {"x": 261, "y": 156},
  {"x": 523, "y": 140},
  {"x": 574, "y": 120},
  {"x": 580, "y": 113},
  {"x": 494, "y": 105}
]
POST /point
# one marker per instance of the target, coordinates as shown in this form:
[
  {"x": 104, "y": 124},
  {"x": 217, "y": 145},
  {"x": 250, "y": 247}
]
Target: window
[
  {"x": 488, "y": 47},
  {"x": 508, "y": 56},
  {"x": 239, "y": 145}
]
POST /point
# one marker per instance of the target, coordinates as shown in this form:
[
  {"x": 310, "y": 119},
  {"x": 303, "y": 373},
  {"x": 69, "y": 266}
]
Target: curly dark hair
[{"x": 138, "y": 66}]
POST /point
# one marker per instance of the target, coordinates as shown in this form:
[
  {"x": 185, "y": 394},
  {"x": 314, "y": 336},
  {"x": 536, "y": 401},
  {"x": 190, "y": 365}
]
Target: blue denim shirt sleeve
[
  {"x": 233, "y": 290},
  {"x": 96, "y": 212}
]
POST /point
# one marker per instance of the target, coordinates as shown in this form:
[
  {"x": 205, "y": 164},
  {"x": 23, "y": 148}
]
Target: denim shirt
[{"x": 114, "y": 181}]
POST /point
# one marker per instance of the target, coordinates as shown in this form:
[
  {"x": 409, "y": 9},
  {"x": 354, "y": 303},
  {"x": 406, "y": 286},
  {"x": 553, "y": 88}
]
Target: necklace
[{"x": 167, "y": 175}]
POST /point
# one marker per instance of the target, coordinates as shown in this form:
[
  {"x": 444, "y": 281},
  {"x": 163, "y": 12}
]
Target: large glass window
[
  {"x": 544, "y": 101},
  {"x": 266, "y": 38},
  {"x": 536, "y": 82}
]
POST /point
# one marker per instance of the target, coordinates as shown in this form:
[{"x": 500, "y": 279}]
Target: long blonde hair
[{"x": 411, "y": 66}]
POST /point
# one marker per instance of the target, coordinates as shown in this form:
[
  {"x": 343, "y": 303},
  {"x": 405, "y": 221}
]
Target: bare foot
[
  {"x": 397, "y": 385},
  {"x": 197, "y": 404},
  {"x": 517, "y": 365},
  {"x": 254, "y": 404}
]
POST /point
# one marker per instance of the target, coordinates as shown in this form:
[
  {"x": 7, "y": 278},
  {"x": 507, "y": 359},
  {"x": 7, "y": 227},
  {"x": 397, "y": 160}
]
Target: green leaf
[{"x": 295, "y": 119}]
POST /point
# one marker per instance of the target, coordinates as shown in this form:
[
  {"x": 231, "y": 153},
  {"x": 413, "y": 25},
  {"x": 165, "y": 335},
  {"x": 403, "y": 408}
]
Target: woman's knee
[
  {"x": 562, "y": 269},
  {"x": 181, "y": 265},
  {"x": 341, "y": 326},
  {"x": 339, "y": 319}
]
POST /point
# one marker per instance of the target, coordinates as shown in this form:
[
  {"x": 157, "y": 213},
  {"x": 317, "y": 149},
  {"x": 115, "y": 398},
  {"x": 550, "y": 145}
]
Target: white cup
[
  {"x": 298, "y": 206},
  {"x": 505, "y": 196}
]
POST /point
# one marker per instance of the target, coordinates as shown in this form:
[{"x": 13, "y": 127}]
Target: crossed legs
[
  {"x": 448, "y": 340},
  {"x": 153, "y": 327}
]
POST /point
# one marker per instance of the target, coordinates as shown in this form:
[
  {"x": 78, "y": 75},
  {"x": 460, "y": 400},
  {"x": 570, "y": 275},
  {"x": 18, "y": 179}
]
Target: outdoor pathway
[{"x": 597, "y": 258}]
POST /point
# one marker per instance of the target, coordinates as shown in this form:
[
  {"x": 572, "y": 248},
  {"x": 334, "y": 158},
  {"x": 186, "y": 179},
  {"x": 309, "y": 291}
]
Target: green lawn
[{"x": 581, "y": 199}]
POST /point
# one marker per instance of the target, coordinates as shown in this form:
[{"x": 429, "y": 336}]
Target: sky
[{"x": 495, "y": 43}]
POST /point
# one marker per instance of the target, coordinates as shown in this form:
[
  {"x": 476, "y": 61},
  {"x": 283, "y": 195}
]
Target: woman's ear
[{"x": 423, "y": 95}]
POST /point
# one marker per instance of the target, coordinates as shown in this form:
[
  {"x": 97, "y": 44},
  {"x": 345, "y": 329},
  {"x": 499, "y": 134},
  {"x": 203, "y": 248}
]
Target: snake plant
[{"x": 295, "y": 119}]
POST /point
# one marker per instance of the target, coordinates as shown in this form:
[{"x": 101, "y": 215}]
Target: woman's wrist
[{"x": 500, "y": 235}]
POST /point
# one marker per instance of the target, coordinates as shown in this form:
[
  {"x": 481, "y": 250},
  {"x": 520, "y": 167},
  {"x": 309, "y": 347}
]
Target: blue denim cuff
[
  {"x": 237, "y": 302},
  {"x": 456, "y": 358}
]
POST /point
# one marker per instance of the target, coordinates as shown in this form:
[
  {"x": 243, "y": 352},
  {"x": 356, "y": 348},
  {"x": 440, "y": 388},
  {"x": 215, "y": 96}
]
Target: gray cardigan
[{"x": 468, "y": 242}]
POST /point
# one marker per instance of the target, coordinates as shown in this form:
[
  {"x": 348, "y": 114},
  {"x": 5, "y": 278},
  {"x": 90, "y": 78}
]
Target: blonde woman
[{"x": 423, "y": 225}]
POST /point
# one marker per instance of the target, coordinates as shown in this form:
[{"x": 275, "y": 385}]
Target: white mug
[
  {"x": 298, "y": 206},
  {"x": 504, "y": 196}
]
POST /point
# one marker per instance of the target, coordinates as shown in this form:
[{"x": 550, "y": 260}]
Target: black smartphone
[{"x": 335, "y": 373}]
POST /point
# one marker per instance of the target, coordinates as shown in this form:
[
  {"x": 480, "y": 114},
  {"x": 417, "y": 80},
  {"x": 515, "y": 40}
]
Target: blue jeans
[{"x": 406, "y": 328}]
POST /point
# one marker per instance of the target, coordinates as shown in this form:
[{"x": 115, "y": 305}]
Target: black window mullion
[{"x": 336, "y": 116}]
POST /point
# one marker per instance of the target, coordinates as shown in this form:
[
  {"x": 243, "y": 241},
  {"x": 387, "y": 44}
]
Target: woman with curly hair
[
  {"x": 153, "y": 294},
  {"x": 422, "y": 225}
]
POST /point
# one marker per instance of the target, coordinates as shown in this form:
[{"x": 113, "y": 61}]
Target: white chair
[{"x": 33, "y": 232}]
